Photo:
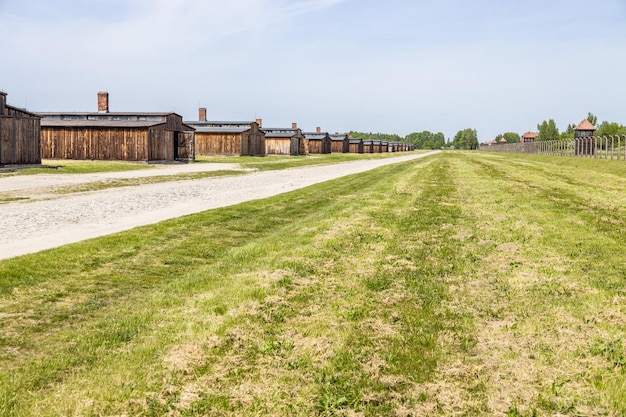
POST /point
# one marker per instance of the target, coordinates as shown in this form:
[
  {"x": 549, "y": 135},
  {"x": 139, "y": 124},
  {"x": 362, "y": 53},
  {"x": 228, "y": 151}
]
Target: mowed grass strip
[
  {"x": 460, "y": 284},
  {"x": 548, "y": 300},
  {"x": 317, "y": 301}
]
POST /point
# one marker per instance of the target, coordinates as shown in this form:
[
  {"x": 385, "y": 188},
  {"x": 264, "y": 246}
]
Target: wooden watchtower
[{"x": 584, "y": 138}]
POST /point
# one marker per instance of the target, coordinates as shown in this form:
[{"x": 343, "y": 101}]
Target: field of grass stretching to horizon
[{"x": 460, "y": 284}]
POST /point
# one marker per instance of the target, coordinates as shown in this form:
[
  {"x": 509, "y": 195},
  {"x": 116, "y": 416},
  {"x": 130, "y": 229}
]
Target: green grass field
[{"x": 459, "y": 284}]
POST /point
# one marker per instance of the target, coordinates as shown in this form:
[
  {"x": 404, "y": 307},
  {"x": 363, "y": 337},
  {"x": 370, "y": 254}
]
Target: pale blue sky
[{"x": 393, "y": 66}]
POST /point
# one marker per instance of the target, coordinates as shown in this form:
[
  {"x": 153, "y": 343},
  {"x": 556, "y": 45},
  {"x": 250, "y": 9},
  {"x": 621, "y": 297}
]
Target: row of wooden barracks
[{"x": 27, "y": 137}]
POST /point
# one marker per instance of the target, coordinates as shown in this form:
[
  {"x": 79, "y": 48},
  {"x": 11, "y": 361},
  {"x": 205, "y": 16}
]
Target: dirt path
[{"x": 32, "y": 226}]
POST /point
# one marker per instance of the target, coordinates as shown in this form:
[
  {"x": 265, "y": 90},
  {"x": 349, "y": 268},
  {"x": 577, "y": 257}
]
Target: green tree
[
  {"x": 511, "y": 137},
  {"x": 426, "y": 139},
  {"x": 547, "y": 131},
  {"x": 608, "y": 128},
  {"x": 385, "y": 137},
  {"x": 466, "y": 139},
  {"x": 569, "y": 132},
  {"x": 592, "y": 118}
]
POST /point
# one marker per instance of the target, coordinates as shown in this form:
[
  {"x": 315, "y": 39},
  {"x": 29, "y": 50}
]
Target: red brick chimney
[
  {"x": 318, "y": 129},
  {"x": 294, "y": 125},
  {"x": 103, "y": 102},
  {"x": 202, "y": 114},
  {"x": 259, "y": 122}
]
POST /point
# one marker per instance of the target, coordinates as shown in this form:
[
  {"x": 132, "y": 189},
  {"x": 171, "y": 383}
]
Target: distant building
[
  {"x": 123, "y": 136},
  {"x": 240, "y": 138},
  {"x": 528, "y": 137},
  {"x": 319, "y": 142},
  {"x": 20, "y": 132},
  {"x": 368, "y": 146},
  {"x": 584, "y": 138},
  {"x": 339, "y": 143},
  {"x": 285, "y": 141},
  {"x": 355, "y": 145}
]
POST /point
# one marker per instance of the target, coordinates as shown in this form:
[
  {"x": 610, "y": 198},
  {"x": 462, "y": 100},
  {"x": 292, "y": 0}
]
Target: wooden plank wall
[
  {"x": 219, "y": 143},
  {"x": 19, "y": 140},
  {"x": 162, "y": 144},
  {"x": 303, "y": 145},
  {"x": 125, "y": 144},
  {"x": 278, "y": 146},
  {"x": 186, "y": 146},
  {"x": 256, "y": 142},
  {"x": 339, "y": 146},
  {"x": 174, "y": 122},
  {"x": 327, "y": 145},
  {"x": 356, "y": 147},
  {"x": 320, "y": 146},
  {"x": 248, "y": 143},
  {"x": 316, "y": 146}
]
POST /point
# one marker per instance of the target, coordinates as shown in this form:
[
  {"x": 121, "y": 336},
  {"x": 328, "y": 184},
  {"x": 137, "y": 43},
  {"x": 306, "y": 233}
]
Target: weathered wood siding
[
  {"x": 126, "y": 144},
  {"x": 315, "y": 146},
  {"x": 319, "y": 146},
  {"x": 249, "y": 143},
  {"x": 186, "y": 145},
  {"x": 339, "y": 146},
  {"x": 19, "y": 138},
  {"x": 279, "y": 146},
  {"x": 355, "y": 146},
  {"x": 255, "y": 141},
  {"x": 174, "y": 121},
  {"x": 219, "y": 143},
  {"x": 303, "y": 146},
  {"x": 162, "y": 144}
]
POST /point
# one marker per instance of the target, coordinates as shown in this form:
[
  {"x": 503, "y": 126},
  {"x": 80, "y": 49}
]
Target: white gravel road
[{"x": 35, "y": 225}]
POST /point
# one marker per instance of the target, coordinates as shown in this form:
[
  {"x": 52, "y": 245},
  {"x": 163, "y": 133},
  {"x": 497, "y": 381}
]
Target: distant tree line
[
  {"x": 385, "y": 137},
  {"x": 464, "y": 139},
  {"x": 468, "y": 138},
  {"x": 547, "y": 130},
  {"x": 426, "y": 140}
]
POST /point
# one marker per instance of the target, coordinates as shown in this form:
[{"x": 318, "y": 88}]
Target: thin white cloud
[
  {"x": 394, "y": 66},
  {"x": 308, "y": 6}
]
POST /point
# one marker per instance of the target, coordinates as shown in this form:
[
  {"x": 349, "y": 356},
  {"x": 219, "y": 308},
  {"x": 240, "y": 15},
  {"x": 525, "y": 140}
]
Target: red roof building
[
  {"x": 585, "y": 126},
  {"x": 584, "y": 138},
  {"x": 529, "y": 137}
]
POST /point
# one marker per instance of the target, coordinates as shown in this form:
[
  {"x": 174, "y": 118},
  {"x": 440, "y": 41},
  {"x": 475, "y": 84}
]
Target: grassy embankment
[{"x": 460, "y": 284}]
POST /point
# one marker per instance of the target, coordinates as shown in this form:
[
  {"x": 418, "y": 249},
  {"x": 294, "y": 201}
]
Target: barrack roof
[
  {"x": 99, "y": 123},
  {"x": 103, "y": 114},
  {"x": 314, "y": 135},
  {"x": 212, "y": 123},
  {"x": 219, "y": 129}
]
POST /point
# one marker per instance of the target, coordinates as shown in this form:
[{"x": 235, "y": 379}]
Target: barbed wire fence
[{"x": 598, "y": 147}]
